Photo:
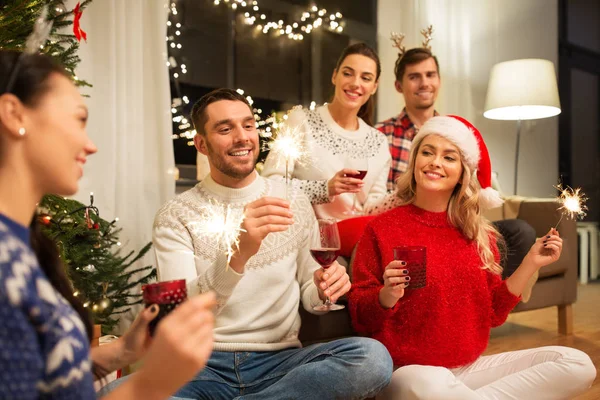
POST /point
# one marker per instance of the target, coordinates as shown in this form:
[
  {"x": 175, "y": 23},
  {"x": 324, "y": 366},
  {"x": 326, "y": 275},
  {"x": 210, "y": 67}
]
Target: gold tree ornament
[
  {"x": 428, "y": 35},
  {"x": 397, "y": 39}
]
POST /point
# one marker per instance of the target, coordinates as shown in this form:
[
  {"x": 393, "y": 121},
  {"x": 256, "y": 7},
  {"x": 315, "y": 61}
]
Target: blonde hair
[{"x": 463, "y": 209}]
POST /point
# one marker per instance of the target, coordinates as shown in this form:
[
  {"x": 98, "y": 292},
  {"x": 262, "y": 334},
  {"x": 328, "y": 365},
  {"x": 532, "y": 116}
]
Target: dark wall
[{"x": 579, "y": 87}]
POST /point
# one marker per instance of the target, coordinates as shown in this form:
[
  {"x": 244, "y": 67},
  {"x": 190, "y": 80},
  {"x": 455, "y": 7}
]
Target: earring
[{"x": 22, "y": 131}]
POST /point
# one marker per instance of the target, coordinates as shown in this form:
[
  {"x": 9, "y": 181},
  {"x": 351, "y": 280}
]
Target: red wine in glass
[
  {"x": 325, "y": 248},
  {"x": 361, "y": 175},
  {"x": 325, "y": 257},
  {"x": 361, "y": 165}
]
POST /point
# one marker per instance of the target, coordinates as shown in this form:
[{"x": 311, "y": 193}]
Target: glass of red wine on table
[
  {"x": 361, "y": 166},
  {"x": 325, "y": 250}
]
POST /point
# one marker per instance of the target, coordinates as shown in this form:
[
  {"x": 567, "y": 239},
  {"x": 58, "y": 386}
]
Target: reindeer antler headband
[
  {"x": 428, "y": 35},
  {"x": 398, "y": 38}
]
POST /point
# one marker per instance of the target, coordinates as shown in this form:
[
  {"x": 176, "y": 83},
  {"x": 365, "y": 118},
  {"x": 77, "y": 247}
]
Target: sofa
[
  {"x": 556, "y": 285},
  {"x": 557, "y": 282}
]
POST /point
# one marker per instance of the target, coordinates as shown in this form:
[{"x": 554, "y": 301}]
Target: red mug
[
  {"x": 416, "y": 264},
  {"x": 166, "y": 295}
]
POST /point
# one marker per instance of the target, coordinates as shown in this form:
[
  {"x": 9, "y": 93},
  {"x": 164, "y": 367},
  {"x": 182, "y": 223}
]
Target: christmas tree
[
  {"x": 88, "y": 245},
  {"x": 90, "y": 250},
  {"x": 17, "y": 19}
]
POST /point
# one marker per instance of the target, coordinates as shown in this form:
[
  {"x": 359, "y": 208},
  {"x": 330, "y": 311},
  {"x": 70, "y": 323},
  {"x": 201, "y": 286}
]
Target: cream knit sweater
[{"x": 257, "y": 310}]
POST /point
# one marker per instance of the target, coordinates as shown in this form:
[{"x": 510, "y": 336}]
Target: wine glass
[
  {"x": 325, "y": 250},
  {"x": 361, "y": 165}
]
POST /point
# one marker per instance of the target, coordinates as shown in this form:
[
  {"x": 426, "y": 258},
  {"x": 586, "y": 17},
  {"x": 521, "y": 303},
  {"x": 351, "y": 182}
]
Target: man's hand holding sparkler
[
  {"x": 263, "y": 216},
  {"x": 343, "y": 182}
]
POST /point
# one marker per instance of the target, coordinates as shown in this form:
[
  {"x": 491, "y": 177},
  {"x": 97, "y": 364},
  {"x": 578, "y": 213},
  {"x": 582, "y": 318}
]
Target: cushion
[{"x": 351, "y": 230}]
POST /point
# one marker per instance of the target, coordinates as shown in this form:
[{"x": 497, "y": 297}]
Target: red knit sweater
[{"x": 448, "y": 322}]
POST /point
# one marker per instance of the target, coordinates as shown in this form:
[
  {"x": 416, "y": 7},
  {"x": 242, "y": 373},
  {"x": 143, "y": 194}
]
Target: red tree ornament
[
  {"x": 45, "y": 219},
  {"x": 79, "y": 33}
]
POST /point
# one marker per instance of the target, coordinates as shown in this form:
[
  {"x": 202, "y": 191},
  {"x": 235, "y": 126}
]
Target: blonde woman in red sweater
[{"x": 436, "y": 334}]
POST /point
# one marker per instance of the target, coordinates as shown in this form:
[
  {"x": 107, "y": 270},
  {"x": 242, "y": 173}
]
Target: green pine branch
[{"x": 17, "y": 18}]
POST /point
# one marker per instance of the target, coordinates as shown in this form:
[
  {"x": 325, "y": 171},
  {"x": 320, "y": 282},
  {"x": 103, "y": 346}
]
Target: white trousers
[{"x": 544, "y": 373}]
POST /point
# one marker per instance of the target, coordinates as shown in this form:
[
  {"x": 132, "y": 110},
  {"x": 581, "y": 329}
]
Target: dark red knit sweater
[{"x": 448, "y": 322}]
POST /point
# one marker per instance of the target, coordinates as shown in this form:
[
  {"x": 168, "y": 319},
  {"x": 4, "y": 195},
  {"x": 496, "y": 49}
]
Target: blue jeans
[{"x": 351, "y": 368}]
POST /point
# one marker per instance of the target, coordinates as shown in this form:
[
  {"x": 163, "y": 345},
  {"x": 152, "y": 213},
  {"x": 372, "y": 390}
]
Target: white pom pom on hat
[{"x": 468, "y": 139}]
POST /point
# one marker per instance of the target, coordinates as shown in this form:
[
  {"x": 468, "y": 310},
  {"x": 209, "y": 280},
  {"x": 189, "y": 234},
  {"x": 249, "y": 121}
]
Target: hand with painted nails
[
  {"x": 395, "y": 280},
  {"x": 333, "y": 282},
  {"x": 179, "y": 349},
  {"x": 343, "y": 182},
  {"x": 545, "y": 250},
  {"x": 136, "y": 340}
]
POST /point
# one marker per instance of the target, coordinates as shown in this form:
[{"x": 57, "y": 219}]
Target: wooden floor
[{"x": 539, "y": 328}]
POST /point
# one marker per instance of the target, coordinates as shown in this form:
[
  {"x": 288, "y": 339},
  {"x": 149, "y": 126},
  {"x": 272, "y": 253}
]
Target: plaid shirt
[{"x": 400, "y": 132}]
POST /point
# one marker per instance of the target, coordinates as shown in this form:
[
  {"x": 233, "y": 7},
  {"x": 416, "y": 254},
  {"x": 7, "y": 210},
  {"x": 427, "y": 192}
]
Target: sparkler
[
  {"x": 223, "y": 223},
  {"x": 572, "y": 203},
  {"x": 289, "y": 145}
]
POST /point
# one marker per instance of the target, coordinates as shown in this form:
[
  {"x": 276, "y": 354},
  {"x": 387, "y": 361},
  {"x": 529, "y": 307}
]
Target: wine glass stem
[
  {"x": 327, "y": 302},
  {"x": 354, "y": 203}
]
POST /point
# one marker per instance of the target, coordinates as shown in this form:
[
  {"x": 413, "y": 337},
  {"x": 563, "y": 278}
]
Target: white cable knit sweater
[{"x": 257, "y": 310}]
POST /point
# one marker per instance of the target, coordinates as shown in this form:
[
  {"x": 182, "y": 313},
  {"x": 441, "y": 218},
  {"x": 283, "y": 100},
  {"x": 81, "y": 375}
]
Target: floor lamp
[{"x": 522, "y": 90}]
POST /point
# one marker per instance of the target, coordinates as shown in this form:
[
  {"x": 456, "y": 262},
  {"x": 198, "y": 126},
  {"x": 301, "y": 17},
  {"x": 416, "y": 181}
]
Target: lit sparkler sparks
[
  {"x": 290, "y": 148},
  {"x": 572, "y": 203},
  {"x": 224, "y": 224}
]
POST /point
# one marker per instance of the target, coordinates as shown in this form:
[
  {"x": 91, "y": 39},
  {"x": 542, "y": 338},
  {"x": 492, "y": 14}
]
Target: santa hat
[{"x": 467, "y": 138}]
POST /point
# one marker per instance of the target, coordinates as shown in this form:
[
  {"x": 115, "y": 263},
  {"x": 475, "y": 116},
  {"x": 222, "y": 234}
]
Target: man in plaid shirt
[{"x": 418, "y": 79}]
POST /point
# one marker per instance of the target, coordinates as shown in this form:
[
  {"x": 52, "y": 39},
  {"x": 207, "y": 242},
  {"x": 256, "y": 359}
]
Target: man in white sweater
[{"x": 257, "y": 352}]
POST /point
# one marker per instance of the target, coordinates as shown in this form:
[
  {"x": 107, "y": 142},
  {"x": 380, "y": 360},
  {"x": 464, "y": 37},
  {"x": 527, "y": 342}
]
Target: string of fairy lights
[{"x": 311, "y": 19}]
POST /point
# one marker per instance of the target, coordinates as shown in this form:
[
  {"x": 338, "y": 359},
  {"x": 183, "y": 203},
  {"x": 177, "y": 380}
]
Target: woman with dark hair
[
  {"x": 340, "y": 142},
  {"x": 45, "y": 332}
]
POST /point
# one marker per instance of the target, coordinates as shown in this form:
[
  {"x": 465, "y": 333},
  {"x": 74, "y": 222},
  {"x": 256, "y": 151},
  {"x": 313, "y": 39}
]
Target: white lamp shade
[{"x": 522, "y": 89}]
